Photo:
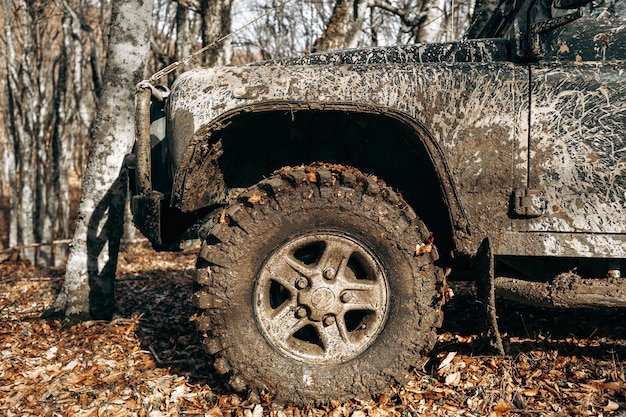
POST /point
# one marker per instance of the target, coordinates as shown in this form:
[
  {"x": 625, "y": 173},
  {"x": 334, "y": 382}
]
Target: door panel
[{"x": 578, "y": 135}]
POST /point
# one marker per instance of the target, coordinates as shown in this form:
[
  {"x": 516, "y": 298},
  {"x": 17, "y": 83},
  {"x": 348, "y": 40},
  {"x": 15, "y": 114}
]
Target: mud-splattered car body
[
  {"x": 528, "y": 149},
  {"x": 508, "y": 152},
  {"x": 511, "y": 148}
]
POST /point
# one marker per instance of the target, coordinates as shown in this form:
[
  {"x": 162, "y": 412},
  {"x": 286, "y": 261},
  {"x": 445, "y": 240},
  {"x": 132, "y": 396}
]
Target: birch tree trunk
[
  {"x": 186, "y": 34},
  {"x": 88, "y": 288},
  {"x": 24, "y": 105},
  {"x": 216, "y": 22},
  {"x": 344, "y": 25},
  {"x": 434, "y": 18},
  {"x": 38, "y": 121}
]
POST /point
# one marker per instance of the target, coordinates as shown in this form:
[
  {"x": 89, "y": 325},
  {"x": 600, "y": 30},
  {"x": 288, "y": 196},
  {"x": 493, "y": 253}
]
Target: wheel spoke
[
  {"x": 360, "y": 306},
  {"x": 286, "y": 271},
  {"x": 297, "y": 266},
  {"x": 361, "y": 286},
  {"x": 368, "y": 299},
  {"x": 336, "y": 255},
  {"x": 282, "y": 323},
  {"x": 335, "y": 338},
  {"x": 284, "y": 276}
]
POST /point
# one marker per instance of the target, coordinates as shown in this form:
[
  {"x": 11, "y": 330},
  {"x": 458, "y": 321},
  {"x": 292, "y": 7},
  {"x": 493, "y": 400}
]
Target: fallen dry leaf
[
  {"x": 223, "y": 219},
  {"x": 530, "y": 392},
  {"x": 425, "y": 247},
  {"x": 446, "y": 360},
  {"x": 501, "y": 408},
  {"x": 150, "y": 362},
  {"x": 611, "y": 406},
  {"x": 255, "y": 198},
  {"x": 311, "y": 176}
]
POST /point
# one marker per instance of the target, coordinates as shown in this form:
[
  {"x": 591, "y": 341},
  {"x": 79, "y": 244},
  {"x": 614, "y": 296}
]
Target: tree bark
[
  {"x": 216, "y": 23},
  {"x": 88, "y": 288},
  {"x": 9, "y": 180},
  {"x": 36, "y": 64},
  {"x": 20, "y": 89},
  {"x": 344, "y": 26},
  {"x": 189, "y": 26},
  {"x": 434, "y": 21}
]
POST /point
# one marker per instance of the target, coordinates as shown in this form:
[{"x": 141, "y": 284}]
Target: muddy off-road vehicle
[{"x": 336, "y": 193}]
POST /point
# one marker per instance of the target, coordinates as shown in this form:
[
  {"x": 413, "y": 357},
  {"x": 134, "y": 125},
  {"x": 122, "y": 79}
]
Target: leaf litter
[{"x": 149, "y": 362}]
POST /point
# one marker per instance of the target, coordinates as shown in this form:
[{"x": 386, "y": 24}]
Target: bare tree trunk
[
  {"x": 8, "y": 182},
  {"x": 22, "y": 125},
  {"x": 47, "y": 176},
  {"x": 344, "y": 25},
  {"x": 185, "y": 35},
  {"x": 75, "y": 111},
  {"x": 73, "y": 35},
  {"x": 434, "y": 21},
  {"x": 215, "y": 24},
  {"x": 88, "y": 288},
  {"x": 34, "y": 71},
  {"x": 63, "y": 141}
]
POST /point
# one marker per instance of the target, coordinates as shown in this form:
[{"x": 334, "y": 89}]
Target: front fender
[{"x": 470, "y": 118}]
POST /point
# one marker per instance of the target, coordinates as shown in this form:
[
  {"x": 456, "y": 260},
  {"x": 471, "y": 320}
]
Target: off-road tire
[{"x": 251, "y": 256}]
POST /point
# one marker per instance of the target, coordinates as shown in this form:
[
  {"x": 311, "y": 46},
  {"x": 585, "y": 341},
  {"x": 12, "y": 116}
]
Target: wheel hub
[
  {"x": 319, "y": 302},
  {"x": 321, "y": 298}
]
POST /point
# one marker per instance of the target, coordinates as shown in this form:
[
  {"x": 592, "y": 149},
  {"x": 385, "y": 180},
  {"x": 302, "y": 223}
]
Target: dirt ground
[{"x": 150, "y": 363}]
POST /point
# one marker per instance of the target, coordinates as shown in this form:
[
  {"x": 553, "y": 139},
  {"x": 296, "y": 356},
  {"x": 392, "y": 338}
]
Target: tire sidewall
[{"x": 385, "y": 359}]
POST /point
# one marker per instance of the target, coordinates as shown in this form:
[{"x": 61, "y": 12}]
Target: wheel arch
[{"x": 247, "y": 144}]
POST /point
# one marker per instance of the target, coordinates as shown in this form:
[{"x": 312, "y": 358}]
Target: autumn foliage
[{"x": 149, "y": 362}]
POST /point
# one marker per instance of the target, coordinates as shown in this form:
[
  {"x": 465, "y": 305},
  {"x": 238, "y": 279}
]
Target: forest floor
[{"x": 150, "y": 362}]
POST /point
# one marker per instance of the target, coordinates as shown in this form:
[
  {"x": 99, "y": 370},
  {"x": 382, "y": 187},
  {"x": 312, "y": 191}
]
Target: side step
[{"x": 566, "y": 290}]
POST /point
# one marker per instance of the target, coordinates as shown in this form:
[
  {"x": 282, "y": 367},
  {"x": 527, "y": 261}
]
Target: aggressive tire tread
[{"x": 229, "y": 261}]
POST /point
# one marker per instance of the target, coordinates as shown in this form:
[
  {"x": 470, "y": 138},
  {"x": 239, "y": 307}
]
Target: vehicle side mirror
[{"x": 570, "y": 4}]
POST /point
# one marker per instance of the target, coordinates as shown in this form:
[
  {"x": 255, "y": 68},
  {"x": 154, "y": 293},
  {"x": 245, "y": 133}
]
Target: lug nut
[
  {"x": 301, "y": 312},
  {"x": 329, "y": 320},
  {"x": 346, "y": 297},
  {"x": 329, "y": 273},
  {"x": 302, "y": 283}
]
